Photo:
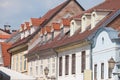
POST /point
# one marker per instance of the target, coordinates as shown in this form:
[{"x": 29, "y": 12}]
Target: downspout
[{"x": 91, "y": 58}]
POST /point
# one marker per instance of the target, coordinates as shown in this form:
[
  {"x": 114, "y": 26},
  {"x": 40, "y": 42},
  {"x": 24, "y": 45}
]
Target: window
[
  {"x": 36, "y": 70},
  {"x": 62, "y": 31},
  {"x": 48, "y": 64},
  {"x": 102, "y": 71},
  {"x": 17, "y": 63},
  {"x": 66, "y": 64},
  {"x": 21, "y": 63},
  {"x": 25, "y": 63},
  {"x": 13, "y": 62},
  {"x": 52, "y": 35},
  {"x": 118, "y": 53},
  {"x": 41, "y": 39},
  {"x": 36, "y": 67},
  {"x": 45, "y": 38},
  {"x": 73, "y": 63},
  {"x": 95, "y": 72},
  {"x": 31, "y": 71},
  {"x": 109, "y": 72},
  {"x": 102, "y": 40},
  {"x": 83, "y": 61},
  {"x": 53, "y": 65},
  {"x": 72, "y": 30},
  {"x": 41, "y": 67},
  {"x": 60, "y": 66}
]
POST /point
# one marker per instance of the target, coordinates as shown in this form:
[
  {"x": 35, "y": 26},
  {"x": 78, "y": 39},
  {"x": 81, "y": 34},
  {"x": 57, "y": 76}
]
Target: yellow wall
[{"x": 18, "y": 60}]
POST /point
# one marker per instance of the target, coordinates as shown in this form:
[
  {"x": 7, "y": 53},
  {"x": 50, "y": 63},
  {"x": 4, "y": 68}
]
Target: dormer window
[
  {"x": 72, "y": 28},
  {"x": 45, "y": 38},
  {"x": 86, "y": 21},
  {"x": 41, "y": 39},
  {"x": 52, "y": 35},
  {"x": 93, "y": 20},
  {"x": 83, "y": 23},
  {"x": 62, "y": 31}
]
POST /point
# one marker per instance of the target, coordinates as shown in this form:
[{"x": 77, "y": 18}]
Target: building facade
[{"x": 62, "y": 48}]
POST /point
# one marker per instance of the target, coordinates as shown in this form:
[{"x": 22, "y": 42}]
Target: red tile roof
[
  {"x": 48, "y": 16},
  {"x": 48, "y": 29},
  {"x": 76, "y": 37},
  {"x": 66, "y": 22},
  {"x": 36, "y": 22},
  {"x": 53, "y": 11},
  {"x": 56, "y": 26},
  {"x": 50, "y": 13},
  {"x": 43, "y": 30},
  {"x": 107, "y": 5},
  {"x": 5, "y": 36},
  {"x": 6, "y": 56}
]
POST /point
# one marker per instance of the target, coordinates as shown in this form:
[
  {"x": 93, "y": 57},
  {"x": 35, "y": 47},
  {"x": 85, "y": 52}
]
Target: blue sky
[{"x": 15, "y": 12}]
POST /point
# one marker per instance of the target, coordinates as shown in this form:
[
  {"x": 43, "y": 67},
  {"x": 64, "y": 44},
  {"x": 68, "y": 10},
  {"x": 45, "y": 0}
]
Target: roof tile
[
  {"x": 66, "y": 22},
  {"x": 56, "y": 26},
  {"x": 5, "y": 36},
  {"x": 36, "y": 22}
]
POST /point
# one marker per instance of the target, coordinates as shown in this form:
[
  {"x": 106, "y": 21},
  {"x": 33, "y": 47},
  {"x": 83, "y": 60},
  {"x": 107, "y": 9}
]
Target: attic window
[
  {"x": 72, "y": 23},
  {"x": 62, "y": 31},
  {"x": 41, "y": 39},
  {"x": 93, "y": 15},
  {"x": 45, "y": 38},
  {"x": 52, "y": 35},
  {"x": 84, "y": 18},
  {"x": 72, "y": 29},
  {"x": 102, "y": 40}
]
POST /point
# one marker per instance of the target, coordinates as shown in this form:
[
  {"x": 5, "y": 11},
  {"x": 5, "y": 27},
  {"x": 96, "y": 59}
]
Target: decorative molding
[{"x": 72, "y": 46}]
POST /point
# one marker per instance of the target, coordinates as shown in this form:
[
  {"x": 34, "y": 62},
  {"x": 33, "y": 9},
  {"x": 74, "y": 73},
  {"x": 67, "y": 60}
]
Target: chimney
[
  {"x": 14, "y": 31},
  {"x": 7, "y": 28}
]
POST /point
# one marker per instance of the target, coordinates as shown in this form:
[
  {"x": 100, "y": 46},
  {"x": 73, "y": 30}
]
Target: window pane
[
  {"x": 73, "y": 63},
  {"x": 83, "y": 61},
  {"x": 102, "y": 71},
  {"x": 60, "y": 66},
  {"x": 66, "y": 64},
  {"x": 95, "y": 72}
]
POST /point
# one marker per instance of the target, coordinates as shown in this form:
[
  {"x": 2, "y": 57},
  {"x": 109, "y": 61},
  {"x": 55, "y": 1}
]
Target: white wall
[
  {"x": 103, "y": 51},
  {"x": 78, "y": 75}
]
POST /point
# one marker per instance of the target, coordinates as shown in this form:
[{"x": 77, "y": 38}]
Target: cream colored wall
[
  {"x": 86, "y": 21},
  {"x": 99, "y": 15},
  {"x": 16, "y": 64},
  {"x": 46, "y": 62},
  {"x": 76, "y": 26}
]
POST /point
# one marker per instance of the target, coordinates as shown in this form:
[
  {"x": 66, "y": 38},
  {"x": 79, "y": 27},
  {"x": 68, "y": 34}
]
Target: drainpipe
[{"x": 91, "y": 58}]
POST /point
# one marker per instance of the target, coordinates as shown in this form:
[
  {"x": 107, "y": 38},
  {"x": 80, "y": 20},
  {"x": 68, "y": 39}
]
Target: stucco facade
[
  {"x": 104, "y": 50},
  {"x": 81, "y": 63}
]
